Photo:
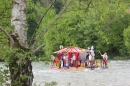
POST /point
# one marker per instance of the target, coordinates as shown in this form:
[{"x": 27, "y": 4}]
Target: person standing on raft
[
  {"x": 104, "y": 61},
  {"x": 90, "y": 60},
  {"x": 53, "y": 59},
  {"x": 93, "y": 55}
]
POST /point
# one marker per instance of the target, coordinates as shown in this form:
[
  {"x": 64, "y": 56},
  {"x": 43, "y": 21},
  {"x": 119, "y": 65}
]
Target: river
[{"x": 118, "y": 74}]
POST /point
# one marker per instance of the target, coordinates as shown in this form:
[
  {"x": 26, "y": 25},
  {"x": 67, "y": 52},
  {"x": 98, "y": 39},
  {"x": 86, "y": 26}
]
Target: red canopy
[
  {"x": 61, "y": 50},
  {"x": 69, "y": 49}
]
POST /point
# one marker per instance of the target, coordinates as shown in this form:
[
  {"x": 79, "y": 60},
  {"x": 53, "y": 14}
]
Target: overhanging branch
[
  {"x": 51, "y": 24},
  {"x": 35, "y": 50},
  {"x": 41, "y": 21},
  {"x": 9, "y": 37}
]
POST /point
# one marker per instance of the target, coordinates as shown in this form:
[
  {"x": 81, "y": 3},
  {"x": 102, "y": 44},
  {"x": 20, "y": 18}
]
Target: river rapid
[{"x": 118, "y": 74}]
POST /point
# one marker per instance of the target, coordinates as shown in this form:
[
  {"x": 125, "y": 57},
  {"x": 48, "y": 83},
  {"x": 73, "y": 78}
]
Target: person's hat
[{"x": 92, "y": 47}]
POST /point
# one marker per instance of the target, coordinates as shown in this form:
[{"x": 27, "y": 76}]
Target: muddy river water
[{"x": 118, "y": 74}]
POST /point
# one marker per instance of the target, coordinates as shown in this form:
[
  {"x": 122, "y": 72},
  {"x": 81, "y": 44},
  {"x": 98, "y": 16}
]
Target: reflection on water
[{"x": 118, "y": 74}]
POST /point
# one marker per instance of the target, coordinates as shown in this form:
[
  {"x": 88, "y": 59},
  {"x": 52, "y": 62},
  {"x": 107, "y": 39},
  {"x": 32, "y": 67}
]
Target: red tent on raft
[{"x": 69, "y": 50}]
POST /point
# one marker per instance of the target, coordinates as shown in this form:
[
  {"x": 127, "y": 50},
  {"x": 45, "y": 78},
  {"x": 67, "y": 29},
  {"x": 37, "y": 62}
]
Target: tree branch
[
  {"x": 35, "y": 50},
  {"x": 88, "y": 5},
  {"x": 9, "y": 37},
  {"x": 50, "y": 25},
  {"x": 41, "y": 21}
]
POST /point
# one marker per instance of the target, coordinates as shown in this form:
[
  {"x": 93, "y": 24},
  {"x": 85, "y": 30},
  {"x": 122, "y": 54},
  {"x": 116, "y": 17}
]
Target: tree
[
  {"x": 20, "y": 69},
  {"x": 20, "y": 54}
]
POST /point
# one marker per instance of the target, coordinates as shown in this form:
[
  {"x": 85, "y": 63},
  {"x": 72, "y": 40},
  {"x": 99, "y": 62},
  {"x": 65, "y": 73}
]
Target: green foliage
[
  {"x": 58, "y": 5},
  {"x": 4, "y": 75},
  {"x": 5, "y": 15},
  {"x": 121, "y": 58},
  {"x": 53, "y": 83},
  {"x": 101, "y": 25},
  {"x": 31, "y": 19},
  {"x": 126, "y": 35},
  {"x": 9, "y": 57}
]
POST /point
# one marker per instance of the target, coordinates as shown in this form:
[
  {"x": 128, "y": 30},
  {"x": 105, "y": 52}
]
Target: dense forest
[{"x": 105, "y": 24}]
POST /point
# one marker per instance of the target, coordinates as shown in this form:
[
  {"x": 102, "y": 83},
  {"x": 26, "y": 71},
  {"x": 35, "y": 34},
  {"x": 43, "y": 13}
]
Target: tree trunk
[{"x": 20, "y": 64}]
